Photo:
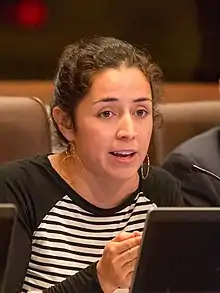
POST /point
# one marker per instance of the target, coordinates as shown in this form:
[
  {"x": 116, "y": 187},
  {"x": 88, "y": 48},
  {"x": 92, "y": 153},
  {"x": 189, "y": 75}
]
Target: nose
[{"x": 126, "y": 129}]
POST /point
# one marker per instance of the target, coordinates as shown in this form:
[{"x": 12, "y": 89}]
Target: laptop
[
  {"x": 7, "y": 223},
  {"x": 180, "y": 252}
]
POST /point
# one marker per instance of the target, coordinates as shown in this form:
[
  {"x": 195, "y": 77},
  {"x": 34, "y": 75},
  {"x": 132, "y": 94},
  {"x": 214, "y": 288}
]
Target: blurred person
[
  {"x": 81, "y": 212},
  {"x": 198, "y": 189}
]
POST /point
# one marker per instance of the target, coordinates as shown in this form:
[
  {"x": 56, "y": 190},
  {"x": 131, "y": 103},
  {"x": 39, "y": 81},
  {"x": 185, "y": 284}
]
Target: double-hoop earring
[
  {"x": 70, "y": 154},
  {"x": 144, "y": 176}
]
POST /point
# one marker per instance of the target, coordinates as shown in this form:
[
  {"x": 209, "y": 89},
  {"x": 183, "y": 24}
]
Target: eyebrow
[{"x": 111, "y": 99}]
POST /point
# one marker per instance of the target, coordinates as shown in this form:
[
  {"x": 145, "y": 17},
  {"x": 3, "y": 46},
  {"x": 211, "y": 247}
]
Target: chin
[{"x": 124, "y": 174}]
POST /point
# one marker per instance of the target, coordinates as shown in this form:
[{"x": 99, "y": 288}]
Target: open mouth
[{"x": 123, "y": 154}]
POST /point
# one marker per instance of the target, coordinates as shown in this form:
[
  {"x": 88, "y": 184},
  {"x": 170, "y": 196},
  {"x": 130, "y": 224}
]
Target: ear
[{"x": 64, "y": 123}]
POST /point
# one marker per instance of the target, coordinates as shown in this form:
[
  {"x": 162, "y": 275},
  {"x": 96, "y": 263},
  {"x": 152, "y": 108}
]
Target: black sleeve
[
  {"x": 14, "y": 188},
  {"x": 85, "y": 281},
  {"x": 21, "y": 243},
  {"x": 197, "y": 188}
]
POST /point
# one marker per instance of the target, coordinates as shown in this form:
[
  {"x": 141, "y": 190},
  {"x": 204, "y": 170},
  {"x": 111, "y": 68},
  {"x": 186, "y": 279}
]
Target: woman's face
[{"x": 114, "y": 123}]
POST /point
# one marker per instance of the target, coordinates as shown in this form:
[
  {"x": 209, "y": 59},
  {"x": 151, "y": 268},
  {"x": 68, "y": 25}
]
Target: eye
[
  {"x": 106, "y": 114},
  {"x": 141, "y": 113}
]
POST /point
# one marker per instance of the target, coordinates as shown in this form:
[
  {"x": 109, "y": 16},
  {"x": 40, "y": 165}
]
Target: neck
[
  {"x": 100, "y": 191},
  {"x": 104, "y": 192}
]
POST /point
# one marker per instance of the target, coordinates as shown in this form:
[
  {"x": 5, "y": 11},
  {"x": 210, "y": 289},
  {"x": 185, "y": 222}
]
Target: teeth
[{"x": 123, "y": 153}]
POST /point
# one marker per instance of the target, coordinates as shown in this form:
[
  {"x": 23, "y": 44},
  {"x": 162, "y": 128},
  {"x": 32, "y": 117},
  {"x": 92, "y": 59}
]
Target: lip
[
  {"x": 124, "y": 160},
  {"x": 123, "y": 150}
]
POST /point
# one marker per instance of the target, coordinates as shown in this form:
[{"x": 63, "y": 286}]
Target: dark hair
[{"x": 80, "y": 61}]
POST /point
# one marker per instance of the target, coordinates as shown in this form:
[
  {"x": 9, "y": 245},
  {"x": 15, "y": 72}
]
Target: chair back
[
  {"x": 182, "y": 121},
  {"x": 24, "y": 128}
]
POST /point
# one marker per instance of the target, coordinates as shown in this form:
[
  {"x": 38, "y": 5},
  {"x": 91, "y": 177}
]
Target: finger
[
  {"x": 130, "y": 265},
  {"x": 128, "y": 256},
  {"x": 123, "y": 236},
  {"x": 137, "y": 233},
  {"x": 128, "y": 279},
  {"x": 126, "y": 276},
  {"x": 127, "y": 244}
]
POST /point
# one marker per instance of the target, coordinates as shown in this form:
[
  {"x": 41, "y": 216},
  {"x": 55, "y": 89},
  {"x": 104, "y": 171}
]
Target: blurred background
[{"x": 182, "y": 36}]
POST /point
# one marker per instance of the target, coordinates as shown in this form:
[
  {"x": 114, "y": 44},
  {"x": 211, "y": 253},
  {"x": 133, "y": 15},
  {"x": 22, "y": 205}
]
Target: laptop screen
[
  {"x": 7, "y": 220},
  {"x": 180, "y": 253}
]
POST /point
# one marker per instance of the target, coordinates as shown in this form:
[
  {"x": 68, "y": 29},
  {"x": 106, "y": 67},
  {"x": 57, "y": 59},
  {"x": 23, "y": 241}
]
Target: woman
[{"x": 81, "y": 212}]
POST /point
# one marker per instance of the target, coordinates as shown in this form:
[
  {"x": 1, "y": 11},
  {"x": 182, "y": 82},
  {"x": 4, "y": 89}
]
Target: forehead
[{"x": 121, "y": 82}]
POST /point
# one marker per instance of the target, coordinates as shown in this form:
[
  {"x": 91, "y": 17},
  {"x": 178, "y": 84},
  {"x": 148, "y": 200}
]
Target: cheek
[
  {"x": 92, "y": 140},
  {"x": 146, "y": 134},
  {"x": 146, "y": 139}
]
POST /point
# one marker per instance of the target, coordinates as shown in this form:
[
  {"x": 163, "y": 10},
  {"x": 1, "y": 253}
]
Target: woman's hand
[{"x": 116, "y": 266}]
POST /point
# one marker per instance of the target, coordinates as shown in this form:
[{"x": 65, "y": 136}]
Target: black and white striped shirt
[
  {"x": 69, "y": 238},
  {"x": 59, "y": 233}
]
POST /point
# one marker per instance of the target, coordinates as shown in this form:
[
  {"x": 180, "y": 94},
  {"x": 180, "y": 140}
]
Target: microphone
[
  {"x": 189, "y": 166},
  {"x": 207, "y": 172}
]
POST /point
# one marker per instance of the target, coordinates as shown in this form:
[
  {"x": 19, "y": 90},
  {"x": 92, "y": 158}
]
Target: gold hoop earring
[
  {"x": 70, "y": 153},
  {"x": 144, "y": 176}
]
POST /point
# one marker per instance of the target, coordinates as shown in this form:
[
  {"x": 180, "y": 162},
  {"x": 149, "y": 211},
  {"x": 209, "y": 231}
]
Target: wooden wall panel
[{"x": 173, "y": 92}]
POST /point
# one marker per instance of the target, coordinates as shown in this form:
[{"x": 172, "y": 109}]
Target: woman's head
[{"x": 105, "y": 99}]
